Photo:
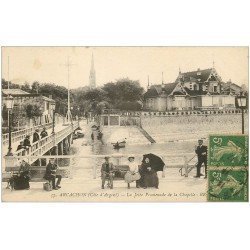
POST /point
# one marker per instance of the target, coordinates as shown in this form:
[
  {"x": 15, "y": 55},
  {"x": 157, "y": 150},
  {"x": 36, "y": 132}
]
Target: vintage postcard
[{"x": 125, "y": 124}]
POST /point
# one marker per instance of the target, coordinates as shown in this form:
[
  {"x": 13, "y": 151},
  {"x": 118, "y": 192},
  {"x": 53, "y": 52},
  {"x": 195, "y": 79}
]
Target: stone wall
[{"x": 186, "y": 127}]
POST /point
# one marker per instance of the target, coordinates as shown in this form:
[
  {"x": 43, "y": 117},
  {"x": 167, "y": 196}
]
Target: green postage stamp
[
  {"x": 228, "y": 150},
  {"x": 228, "y": 168},
  {"x": 228, "y": 185}
]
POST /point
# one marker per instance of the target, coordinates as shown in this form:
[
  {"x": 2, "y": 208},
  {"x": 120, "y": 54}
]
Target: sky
[{"x": 47, "y": 64}]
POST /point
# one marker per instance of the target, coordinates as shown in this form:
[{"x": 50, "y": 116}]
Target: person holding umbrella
[
  {"x": 149, "y": 176},
  {"x": 151, "y": 164}
]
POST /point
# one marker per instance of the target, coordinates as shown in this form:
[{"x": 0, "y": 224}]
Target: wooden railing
[
  {"x": 21, "y": 134},
  {"x": 42, "y": 146}
]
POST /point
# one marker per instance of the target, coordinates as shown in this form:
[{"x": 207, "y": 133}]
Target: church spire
[
  {"x": 148, "y": 83},
  {"x": 92, "y": 82}
]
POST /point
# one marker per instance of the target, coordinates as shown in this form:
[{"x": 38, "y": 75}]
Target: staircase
[{"x": 147, "y": 135}]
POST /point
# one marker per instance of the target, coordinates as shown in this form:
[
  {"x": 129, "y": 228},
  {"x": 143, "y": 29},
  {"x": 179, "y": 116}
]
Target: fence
[
  {"x": 42, "y": 146},
  {"x": 21, "y": 134}
]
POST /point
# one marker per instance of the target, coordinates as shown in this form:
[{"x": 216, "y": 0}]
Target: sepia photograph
[{"x": 125, "y": 124}]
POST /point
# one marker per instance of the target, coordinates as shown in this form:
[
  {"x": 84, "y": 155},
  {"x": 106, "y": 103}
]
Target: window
[
  {"x": 215, "y": 88},
  {"x": 191, "y": 86}
]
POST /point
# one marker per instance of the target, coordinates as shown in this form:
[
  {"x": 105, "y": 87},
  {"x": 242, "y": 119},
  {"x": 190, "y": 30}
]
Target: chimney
[{"x": 50, "y": 96}]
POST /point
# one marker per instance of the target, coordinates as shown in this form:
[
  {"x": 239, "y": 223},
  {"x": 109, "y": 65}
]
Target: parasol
[{"x": 155, "y": 161}]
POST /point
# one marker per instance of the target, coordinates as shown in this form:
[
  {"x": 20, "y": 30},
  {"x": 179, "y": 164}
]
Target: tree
[
  {"x": 130, "y": 105},
  {"x": 35, "y": 87},
  {"x": 26, "y": 87},
  {"x": 124, "y": 90},
  {"x": 11, "y": 85},
  {"x": 92, "y": 100},
  {"x": 33, "y": 110}
]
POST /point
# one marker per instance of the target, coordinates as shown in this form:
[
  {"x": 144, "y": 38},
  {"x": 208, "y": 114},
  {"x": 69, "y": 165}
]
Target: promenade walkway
[{"x": 42, "y": 146}]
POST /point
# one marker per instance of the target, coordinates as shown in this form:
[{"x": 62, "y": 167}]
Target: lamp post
[
  {"x": 9, "y": 106},
  {"x": 78, "y": 113},
  {"x": 241, "y": 102},
  {"x": 71, "y": 115},
  {"x": 53, "y": 107}
]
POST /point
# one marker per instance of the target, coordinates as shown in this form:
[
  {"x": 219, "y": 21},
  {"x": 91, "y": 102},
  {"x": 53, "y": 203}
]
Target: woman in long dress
[
  {"x": 149, "y": 176},
  {"x": 21, "y": 181},
  {"x": 133, "y": 173}
]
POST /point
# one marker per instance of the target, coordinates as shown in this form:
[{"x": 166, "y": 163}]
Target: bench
[
  {"x": 120, "y": 171},
  {"x": 36, "y": 173}
]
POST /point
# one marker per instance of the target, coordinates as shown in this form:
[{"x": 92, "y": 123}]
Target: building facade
[
  {"x": 22, "y": 98},
  {"x": 200, "y": 89}
]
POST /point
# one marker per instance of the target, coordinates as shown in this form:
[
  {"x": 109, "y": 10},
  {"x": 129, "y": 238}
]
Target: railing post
[
  {"x": 186, "y": 165},
  {"x": 70, "y": 169},
  {"x": 117, "y": 159},
  {"x": 9, "y": 161},
  {"x": 94, "y": 169}
]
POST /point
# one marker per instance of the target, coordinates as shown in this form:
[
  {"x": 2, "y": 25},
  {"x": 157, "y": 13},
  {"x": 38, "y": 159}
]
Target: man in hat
[
  {"x": 201, "y": 152},
  {"x": 44, "y": 133},
  {"x": 51, "y": 175},
  {"x": 107, "y": 172},
  {"x": 26, "y": 142},
  {"x": 36, "y": 136},
  {"x": 20, "y": 146}
]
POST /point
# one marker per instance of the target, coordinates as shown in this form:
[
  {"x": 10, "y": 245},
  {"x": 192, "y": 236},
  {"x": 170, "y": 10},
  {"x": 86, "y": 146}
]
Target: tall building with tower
[{"x": 92, "y": 80}]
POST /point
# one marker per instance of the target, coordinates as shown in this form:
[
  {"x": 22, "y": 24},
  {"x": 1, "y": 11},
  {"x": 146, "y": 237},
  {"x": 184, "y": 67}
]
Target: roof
[
  {"x": 203, "y": 75},
  {"x": 230, "y": 85},
  {"x": 194, "y": 92},
  {"x": 45, "y": 98},
  {"x": 21, "y": 93},
  {"x": 14, "y": 92},
  {"x": 160, "y": 90}
]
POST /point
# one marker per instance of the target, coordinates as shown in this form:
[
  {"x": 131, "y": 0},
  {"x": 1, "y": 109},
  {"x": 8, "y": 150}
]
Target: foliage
[
  {"x": 122, "y": 94},
  {"x": 32, "y": 110},
  {"x": 130, "y": 105},
  {"x": 24, "y": 87},
  {"x": 123, "y": 90}
]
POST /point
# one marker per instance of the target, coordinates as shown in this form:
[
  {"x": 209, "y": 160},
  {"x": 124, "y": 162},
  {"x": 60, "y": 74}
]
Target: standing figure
[
  {"x": 51, "y": 175},
  {"x": 36, "y": 136},
  {"x": 107, "y": 171},
  {"x": 44, "y": 133},
  {"x": 26, "y": 142},
  {"x": 201, "y": 152},
  {"x": 99, "y": 135},
  {"x": 133, "y": 173},
  {"x": 20, "y": 146}
]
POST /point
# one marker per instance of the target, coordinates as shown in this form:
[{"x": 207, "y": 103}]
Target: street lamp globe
[
  {"x": 9, "y": 102},
  {"x": 9, "y": 106},
  {"x": 241, "y": 101}
]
